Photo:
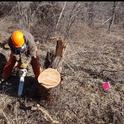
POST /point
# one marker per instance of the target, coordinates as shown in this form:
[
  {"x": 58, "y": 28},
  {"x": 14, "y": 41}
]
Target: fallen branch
[
  {"x": 6, "y": 117},
  {"x": 60, "y": 15},
  {"x": 106, "y": 21},
  {"x": 46, "y": 114}
]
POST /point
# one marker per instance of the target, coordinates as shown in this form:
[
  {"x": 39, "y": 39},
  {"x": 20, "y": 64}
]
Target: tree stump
[{"x": 55, "y": 60}]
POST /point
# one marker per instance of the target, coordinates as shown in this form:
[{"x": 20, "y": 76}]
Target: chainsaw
[{"x": 21, "y": 72}]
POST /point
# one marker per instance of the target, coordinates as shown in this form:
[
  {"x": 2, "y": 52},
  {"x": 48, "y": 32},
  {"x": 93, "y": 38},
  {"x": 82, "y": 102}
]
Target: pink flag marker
[{"x": 106, "y": 86}]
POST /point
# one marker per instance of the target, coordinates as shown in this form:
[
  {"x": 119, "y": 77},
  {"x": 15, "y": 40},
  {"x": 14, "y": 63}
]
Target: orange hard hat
[{"x": 17, "y": 39}]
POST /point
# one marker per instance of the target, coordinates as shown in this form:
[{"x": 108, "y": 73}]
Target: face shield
[{"x": 18, "y": 50}]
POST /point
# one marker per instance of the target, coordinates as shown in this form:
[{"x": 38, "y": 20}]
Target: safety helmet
[
  {"x": 17, "y": 39},
  {"x": 17, "y": 42}
]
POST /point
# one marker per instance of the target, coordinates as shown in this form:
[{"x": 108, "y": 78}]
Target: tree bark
[
  {"x": 91, "y": 14},
  {"x": 113, "y": 14},
  {"x": 55, "y": 60}
]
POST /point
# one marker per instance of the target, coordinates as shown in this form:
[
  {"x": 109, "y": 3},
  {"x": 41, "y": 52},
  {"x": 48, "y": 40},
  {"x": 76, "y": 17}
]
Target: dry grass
[{"x": 92, "y": 56}]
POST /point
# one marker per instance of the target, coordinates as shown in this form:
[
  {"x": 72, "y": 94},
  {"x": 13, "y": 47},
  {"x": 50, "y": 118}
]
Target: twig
[
  {"x": 6, "y": 117},
  {"x": 16, "y": 112},
  {"x": 2, "y": 110},
  {"x": 46, "y": 113},
  {"x": 60, "y": 15},
  {"x": 106, "y": 21}
]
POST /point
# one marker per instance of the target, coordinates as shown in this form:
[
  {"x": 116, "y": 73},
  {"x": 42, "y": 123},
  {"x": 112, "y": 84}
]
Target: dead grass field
[{"x": 92, "y": 56}]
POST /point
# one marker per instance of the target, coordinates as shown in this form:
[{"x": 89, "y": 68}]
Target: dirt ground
[{"x": 92, "y": 59}]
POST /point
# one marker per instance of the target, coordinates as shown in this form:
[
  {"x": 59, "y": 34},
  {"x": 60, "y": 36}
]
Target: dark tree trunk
[
  {"x": 91, "y": 14},
  {"x": 113, "y": 15}
]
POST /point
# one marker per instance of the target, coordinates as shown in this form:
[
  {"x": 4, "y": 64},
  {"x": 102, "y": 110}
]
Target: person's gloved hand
[
  {"x": 24, "y": 65},
  {"x": 4, "y": 46}
]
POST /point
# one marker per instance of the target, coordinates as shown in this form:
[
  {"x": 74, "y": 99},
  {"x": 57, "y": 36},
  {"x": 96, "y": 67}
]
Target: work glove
[
  {"x": 4, "y": 46},
  {"x": 24, "y": 65}
]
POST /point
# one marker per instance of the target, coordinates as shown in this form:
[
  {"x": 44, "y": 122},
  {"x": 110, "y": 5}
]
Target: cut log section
[{"x": 49, "y": 78}]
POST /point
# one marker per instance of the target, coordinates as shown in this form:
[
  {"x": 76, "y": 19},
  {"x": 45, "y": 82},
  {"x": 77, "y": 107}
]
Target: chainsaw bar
[{"x": 23, "y": 73}]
